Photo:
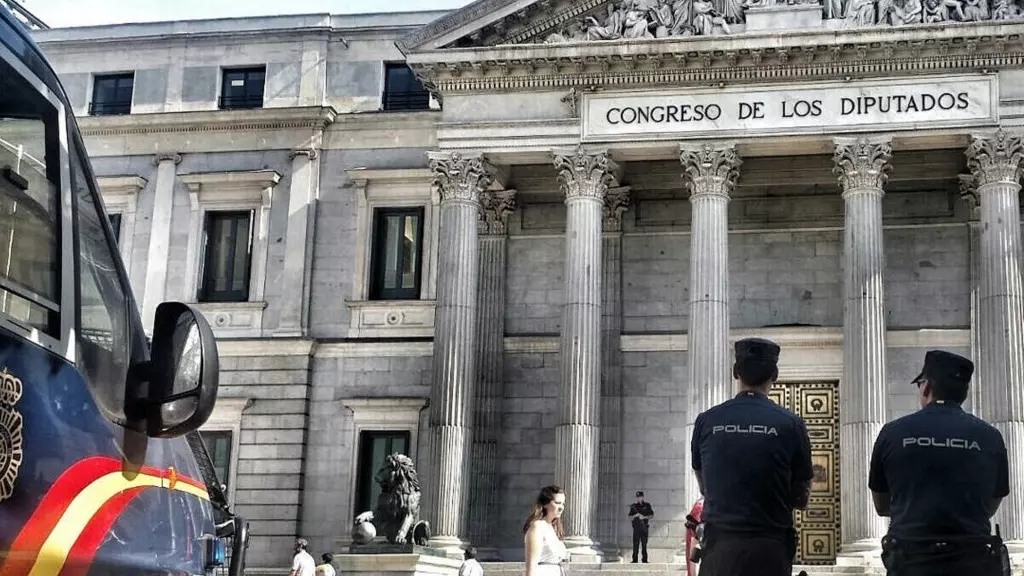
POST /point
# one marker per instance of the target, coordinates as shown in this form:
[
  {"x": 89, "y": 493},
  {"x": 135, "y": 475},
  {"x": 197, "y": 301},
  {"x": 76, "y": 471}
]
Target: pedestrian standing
[
  {"x": 470, "y": 566},
  {"x": 939, "y": 475},
  {"x": 752, "y": 459},
  {"x": 640, "y": 513}
]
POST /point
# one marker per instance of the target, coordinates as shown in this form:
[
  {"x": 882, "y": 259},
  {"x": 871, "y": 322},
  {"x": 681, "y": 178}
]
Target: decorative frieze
[{"x": 862, "y": 163}]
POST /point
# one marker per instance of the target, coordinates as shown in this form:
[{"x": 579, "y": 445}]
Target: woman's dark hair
[
  {"x": 546, "y": 496},
  {"x": 327, "y": 557},
  {"x": 469, "y": 553}
]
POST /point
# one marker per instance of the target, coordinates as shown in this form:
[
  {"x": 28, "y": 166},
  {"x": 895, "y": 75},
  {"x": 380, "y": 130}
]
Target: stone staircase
[{"x": 624, "y": 569}]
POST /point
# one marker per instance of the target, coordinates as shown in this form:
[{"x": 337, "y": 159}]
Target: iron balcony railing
[
  {"x": 406, "y": 101},
  {"x": 241, "y": 102},
  {"x": 114, "y": 108}
]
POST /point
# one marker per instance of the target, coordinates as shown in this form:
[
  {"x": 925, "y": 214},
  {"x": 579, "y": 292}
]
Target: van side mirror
[{"x": 183, "y": 371}]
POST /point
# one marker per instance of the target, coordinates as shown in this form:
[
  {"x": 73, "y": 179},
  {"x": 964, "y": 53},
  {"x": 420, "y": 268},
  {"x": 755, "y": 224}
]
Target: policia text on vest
[
  {"x": 753, "y": 463},
  {"x": 939, "y": 475}
]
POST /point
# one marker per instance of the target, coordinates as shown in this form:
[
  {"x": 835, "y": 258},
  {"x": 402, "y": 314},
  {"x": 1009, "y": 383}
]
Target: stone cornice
[
  {"x": 817, "y": 54},
  {"x": 254, "y": 179},
  {"x": 121, "y": 185},
  {"x": 311, "y": 117},
  {"x": 453, "y": 21}
]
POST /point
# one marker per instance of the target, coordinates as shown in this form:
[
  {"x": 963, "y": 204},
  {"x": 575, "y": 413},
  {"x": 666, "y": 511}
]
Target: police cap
[
  {"x": 946, "y": 368},
  {"x": 757, "y": 350}
]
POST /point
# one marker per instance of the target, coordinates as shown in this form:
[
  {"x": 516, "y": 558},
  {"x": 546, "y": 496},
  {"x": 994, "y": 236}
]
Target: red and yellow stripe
[{"x": 70, "y": 524}]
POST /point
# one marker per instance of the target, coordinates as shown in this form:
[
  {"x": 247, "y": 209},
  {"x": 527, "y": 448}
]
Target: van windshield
[{"x": 29, "y": 206}]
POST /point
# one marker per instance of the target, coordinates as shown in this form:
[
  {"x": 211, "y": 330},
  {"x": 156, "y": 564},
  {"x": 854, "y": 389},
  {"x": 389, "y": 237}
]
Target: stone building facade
[{"x": 526, "y": 264}]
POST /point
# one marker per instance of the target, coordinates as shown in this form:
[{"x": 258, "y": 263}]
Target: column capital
[
  {"x": 711, "y": 171},
  {"x": 459, "y": 177},
  {"x": 311, "y": 153},
  {"x": 585, "y": 175},
  {"x": 969, "y": 194},
  {"x": 996, "y": 158},
  {"x": 495, "y": 208},
  {"x": 862, "y": 163},
  {"x": 167, "y": 157},
  {"x": 616, "y": 201}
]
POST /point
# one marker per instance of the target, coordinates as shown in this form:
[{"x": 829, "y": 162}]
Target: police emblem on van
[{"x": 10, "y": 433}]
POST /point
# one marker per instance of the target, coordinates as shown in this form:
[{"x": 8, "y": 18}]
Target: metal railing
[
  {"x": 30, "y": 20},
  {"x": 114, "y": 108},
  {"x": 406, "y": 101},
  {"x": 241, "y": 102}
]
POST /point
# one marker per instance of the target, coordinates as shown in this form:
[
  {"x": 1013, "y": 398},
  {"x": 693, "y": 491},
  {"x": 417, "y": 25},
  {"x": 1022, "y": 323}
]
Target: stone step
[{"x": 629, "y": 569}]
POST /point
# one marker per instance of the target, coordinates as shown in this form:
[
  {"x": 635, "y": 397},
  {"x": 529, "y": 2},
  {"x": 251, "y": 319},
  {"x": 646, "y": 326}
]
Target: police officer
[
  {"x": 940, "y": 474},
  {"x": 641, "y": 513},
  {"x": 752, "y": 459}
]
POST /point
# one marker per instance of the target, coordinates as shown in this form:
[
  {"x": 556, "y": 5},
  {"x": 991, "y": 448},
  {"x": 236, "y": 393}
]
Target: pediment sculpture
[{"x": 649, "y": 19}]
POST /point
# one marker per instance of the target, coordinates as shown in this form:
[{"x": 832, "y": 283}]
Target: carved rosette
[
  {"x": 616, "y": 202},
  {"x": 459, "y": 177},
  {"x": 495, "y": 208},
  {"x": 711, "y": 171},
  {"x": 995, "y": 159},
  {"x": 583, "y": 175},
  {"x": 862, "y": 163}
]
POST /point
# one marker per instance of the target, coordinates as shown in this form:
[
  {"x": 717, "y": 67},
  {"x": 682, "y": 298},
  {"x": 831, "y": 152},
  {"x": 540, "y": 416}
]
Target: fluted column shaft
[
  {"x": 969, "y": 193},
  {"x": 490, "y": 368},
  {"x": 584, "y": 179},
  {"x": 610, "y": 479},
  {"x": 711, "y": 174},
  {"x": 995, "y": 164},
  {"x": 862, "y": 166},
  {"x": 459, "y": 180}
]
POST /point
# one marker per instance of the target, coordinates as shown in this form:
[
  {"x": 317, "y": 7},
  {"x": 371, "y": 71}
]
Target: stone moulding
[
  {"x": 745, "y": 58},
  {"x": 263, "y": 119}
]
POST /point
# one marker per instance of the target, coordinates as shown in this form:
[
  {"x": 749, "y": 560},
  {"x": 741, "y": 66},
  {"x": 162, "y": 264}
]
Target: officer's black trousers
[
  {"x": 973, "y": 565},
  {"x": 640, "y": 536},
  {"x": 752, "y": 556}
]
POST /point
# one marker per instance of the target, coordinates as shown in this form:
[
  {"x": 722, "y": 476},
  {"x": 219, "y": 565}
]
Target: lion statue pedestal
[{"x": 391, "y": 538}]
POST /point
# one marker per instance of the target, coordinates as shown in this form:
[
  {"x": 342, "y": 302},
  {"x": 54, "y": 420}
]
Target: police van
[{"x": 102, "y": 471}]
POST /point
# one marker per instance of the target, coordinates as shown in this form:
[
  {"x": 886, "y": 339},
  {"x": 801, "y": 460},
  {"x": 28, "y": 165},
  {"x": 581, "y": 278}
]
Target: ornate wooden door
[{"x": 818, "y": 526}]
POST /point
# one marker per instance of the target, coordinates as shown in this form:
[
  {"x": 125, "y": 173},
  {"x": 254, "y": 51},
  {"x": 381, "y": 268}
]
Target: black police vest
[
  {"x": 940, "y": 466},
  {"x": 750, "y": 453}
]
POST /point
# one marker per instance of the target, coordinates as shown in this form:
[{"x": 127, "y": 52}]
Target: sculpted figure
[
  {"x": 705, "y": 18},
  {"x": 637, "y": 25},
  {"x": 861, "y": 13},
  {"x": 611, "y": 29},
  {"x": 886, "y": 12},
  {"x": 1003, "y": 10},
  {"x": 938, "y": 10},
  {"x": 682, "y": 15},
  {"x": 836, "y": 9},
  {"x": 398, "y": 506},
  {"x": 907, "y": 12},
  {"x": 975, "y": 10},
  {"x": 732, "y": 11},
  {"x": 663, "y": 19}
]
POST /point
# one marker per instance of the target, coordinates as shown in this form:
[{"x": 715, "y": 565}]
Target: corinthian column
[
  {"x": 497, "y": 205},
  {"x": 616, "y": 201},
  {"x": 995, "y": 163},
  {"x": 459, "y": 180},
  {"x": 584, "y": 179},
  {"x": 862, "y": 166},
  {"x": 711, "y": 175}
]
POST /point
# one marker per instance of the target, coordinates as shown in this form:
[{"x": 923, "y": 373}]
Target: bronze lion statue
[{"x": 398, "y": 507}]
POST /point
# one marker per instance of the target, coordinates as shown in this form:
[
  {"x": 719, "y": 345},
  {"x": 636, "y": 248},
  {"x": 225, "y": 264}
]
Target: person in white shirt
[
  {"x": 302, "y": 563},
  {"x": 471, "y": 567},
  {"x": 326, "y": 568}
]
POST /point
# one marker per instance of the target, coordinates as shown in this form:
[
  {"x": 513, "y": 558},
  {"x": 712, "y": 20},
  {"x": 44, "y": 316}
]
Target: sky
[{"x": 62, "y": 13}]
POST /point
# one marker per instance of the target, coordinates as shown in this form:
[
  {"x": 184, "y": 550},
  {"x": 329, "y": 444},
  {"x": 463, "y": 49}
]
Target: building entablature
[{"x": 743, "y": 58}]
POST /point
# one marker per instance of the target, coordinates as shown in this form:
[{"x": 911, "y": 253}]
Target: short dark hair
[
  {"x": 470, "y": 553},
  {"x": 948, "y": 389},
  {"x": 327, "y": 557},
  {"x": 755, "y": 372}
]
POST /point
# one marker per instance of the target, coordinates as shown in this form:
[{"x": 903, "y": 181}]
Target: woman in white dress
[{"x": 545, "y": 552}]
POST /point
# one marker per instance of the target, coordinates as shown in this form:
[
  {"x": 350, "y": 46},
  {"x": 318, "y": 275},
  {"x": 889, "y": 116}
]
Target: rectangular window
[
  {"x": 374, "y": 447},
  {"x": 402, "y": 90},
  {"x": 218, "y": 444},
  {"x": 243, "y": 88},
  {"x": 112, "y": 94},
  {"x": 115, "y": 225},
  {"x": 228, "y": 257},
  {"x": 397, "y": 254}
]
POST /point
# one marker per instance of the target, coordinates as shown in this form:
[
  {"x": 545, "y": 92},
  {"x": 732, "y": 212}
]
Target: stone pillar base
[
  {"x": 583, "y": 550},
  {"x": 451, "y": 547},
  {"x": 860, "y": 553},
  {"x": 417, "y": 564}
]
